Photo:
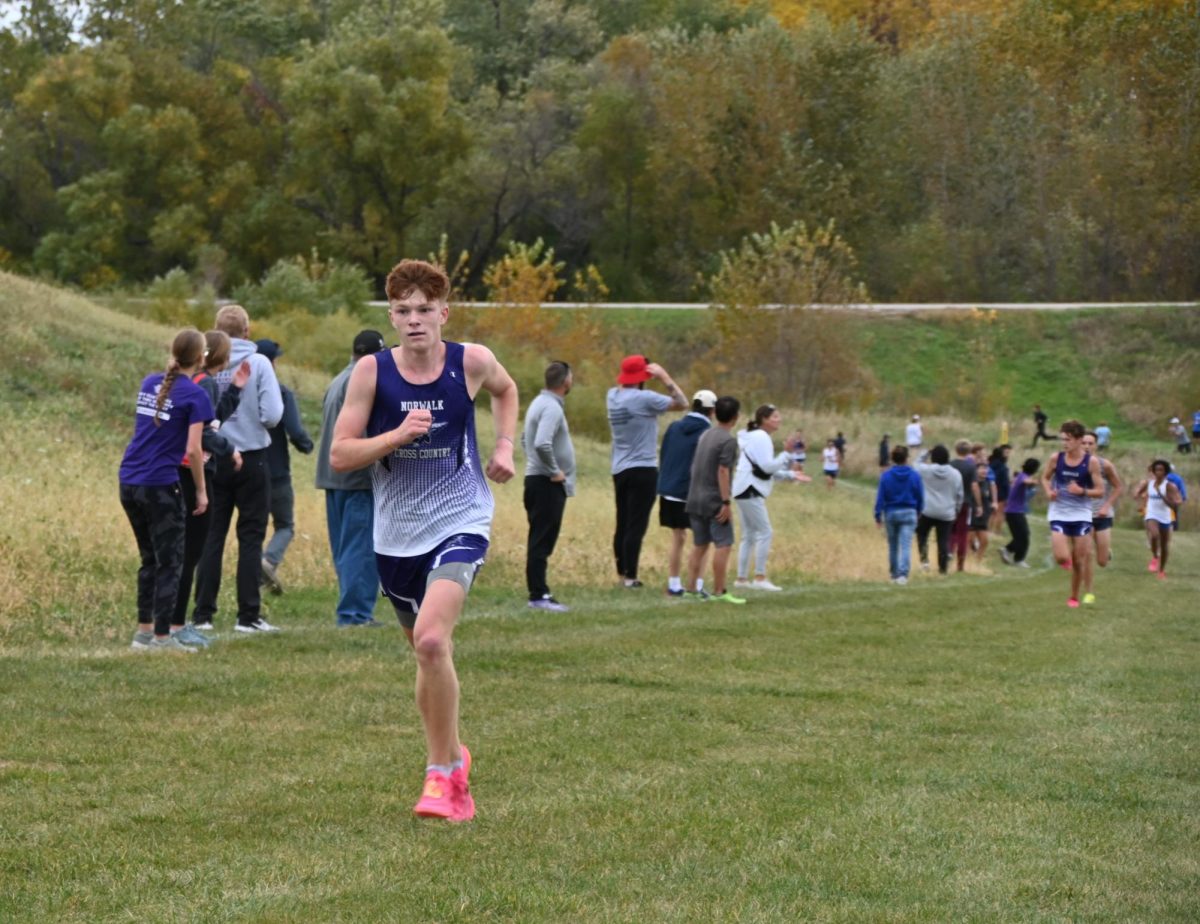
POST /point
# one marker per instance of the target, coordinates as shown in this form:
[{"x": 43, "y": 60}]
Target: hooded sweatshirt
[
  {"x": 943, "y": 490},
  {"x": 899, "y": 488},
  {"x": 261, "y": 406},
  {"x": 678, "y": 450}
]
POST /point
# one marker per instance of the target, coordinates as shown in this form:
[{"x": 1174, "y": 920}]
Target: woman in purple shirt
[
  {"x": 1015, "y": 510},
  {"x": 170, "y": 416}
]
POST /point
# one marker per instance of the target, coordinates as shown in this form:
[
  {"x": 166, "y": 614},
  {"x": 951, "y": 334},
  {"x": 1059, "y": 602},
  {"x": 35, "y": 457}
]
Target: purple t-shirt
[
  {"x": 1018, "y": 494},
  {"x": 152, "y": 457}
]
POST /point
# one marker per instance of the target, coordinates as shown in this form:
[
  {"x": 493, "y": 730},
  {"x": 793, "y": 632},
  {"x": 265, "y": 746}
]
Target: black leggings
[
  {"x": 1018, "y": 525},
  {"x": 943, "y": 527}
]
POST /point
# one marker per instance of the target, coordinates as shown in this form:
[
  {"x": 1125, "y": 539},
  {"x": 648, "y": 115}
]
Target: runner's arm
[{"x": 350, "y": 450}]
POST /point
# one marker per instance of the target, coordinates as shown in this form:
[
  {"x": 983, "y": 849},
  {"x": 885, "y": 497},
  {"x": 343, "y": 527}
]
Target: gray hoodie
[
  {"x": 943, "y": 490},
  {"x": 261, "y": 406}
]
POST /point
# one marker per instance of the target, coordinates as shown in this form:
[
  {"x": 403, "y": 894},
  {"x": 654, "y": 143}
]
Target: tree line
[{"x": 1029, "y": 150}]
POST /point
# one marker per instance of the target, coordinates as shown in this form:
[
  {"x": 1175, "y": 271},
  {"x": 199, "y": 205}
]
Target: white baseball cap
[{"x": 705, "y": 397}]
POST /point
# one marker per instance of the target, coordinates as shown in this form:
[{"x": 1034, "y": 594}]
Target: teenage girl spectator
[
  {"x": 170, "y": 416},
  {"x": 944, "y": 493},
  {"x": 758, "y": 467},
  {"x": 1162, "y": 499},
  {"x": 830, "y": 463},
  {"x": 898, "y": 504},
  {"x": 216, "y": 358},
  {"x": 1016, "y": 513}
]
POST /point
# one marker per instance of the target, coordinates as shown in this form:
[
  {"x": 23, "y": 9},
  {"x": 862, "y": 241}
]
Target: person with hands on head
[
  {"x": 633, "y": 416},
  {"x": 409, "y": 414},
  {"x": 1071, "y": 479}
]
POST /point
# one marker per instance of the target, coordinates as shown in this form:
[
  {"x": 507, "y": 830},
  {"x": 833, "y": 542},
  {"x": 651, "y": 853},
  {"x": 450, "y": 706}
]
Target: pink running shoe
[
  {"x": 1162, "y": 575},
  {"x": 1153, "y": 566},
  {"x": 437, "y": 798},
  {"x": 1073, "y": 603}
]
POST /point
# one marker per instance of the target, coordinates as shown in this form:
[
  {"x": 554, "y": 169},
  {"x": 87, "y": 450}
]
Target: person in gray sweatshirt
[
  {"x": 549, "y": 480},
  {"x": 247, "y": 489},
  {"x": 944, "y": 495}
]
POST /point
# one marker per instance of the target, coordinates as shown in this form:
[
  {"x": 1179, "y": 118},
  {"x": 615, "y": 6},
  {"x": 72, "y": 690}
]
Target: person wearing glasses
[{"x": 549, "y": 480}]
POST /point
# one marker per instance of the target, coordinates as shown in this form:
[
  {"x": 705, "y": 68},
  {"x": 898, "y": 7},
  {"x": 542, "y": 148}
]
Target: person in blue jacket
[
  {"x": 898, "y": 502},
  {"x": 674, "y": 477}
]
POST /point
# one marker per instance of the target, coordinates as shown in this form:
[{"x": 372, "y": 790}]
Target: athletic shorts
[
  {"x": 1161, "y": 524},
  {"x": 1099, "y": 524},
  {"x": 707, "y": 530},
  {"x": 1073, "y": 528},
  {"x": 831, "y": 473},
  {"x": 673, "y": 514},
  {"x": 405, "y": 580}
]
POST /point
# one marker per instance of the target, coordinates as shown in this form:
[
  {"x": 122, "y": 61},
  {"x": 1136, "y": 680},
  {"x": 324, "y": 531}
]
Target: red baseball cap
[{"x": 633, "y": 370}]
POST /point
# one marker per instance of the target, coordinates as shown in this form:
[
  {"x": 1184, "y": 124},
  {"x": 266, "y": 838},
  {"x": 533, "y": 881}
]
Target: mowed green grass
[{"x": 965, "y": 749}]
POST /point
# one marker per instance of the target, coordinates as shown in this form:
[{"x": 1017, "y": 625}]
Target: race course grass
[{"x": 963, "y": 749}]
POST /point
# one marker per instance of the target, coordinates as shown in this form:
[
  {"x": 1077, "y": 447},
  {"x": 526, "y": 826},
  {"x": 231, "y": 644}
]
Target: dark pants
[
  {"x": 943, "y": 527},
  {"x": 635, "y": 489},
  {"x": 1040, "y": 435},
  {"x": 960, "y": 534},
  {"x": 1018, "y": 525},
  {"x": 195, "y": 534},
  {"x": 157, "y": 517},
  {"x": 545, "y": 501},
  {"x": 247, "y": 491}
]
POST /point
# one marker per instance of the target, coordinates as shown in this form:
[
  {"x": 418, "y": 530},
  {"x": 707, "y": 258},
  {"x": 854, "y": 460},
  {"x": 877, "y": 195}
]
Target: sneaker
[
  {"x": 270, "y": 578},
  {"x": 1162, "y": 575},
  {"x": 189, "y": 635},
  {"x": 259, "y": 625},
  {"x": 698, "y": 596},
  {"x": 204, "y": 626},
  {"x": 141, "y": 640},
  {"x": 464, "y": 802},
  {"x": 437, "y": 798},
  {"x": 1153, "y": 566},
  {"x": 1089, "y": 599},
  {"x": 633, "y": 583},
  {"x": 742, "y": 582},
  {"x": 678, "y": 592},
  {"x": 924, "y": 566},
  {"x": 1022, "y": 564},
  {"x": 549, "y": 604},
  {"x": 1006, "y": 557},
  {"x": 1073, "y": 603},
  {"x": 727, "y": 597},
  {"x": 171, "y": 644},
  {"x": 764, "y": 584},
  {"x": 902, "y": 580},
  {"x": 1065, "y": 565}
]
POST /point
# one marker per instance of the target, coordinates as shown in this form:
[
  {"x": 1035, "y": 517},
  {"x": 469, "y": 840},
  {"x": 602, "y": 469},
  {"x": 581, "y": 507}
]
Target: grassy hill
[{"x": 965, "y": 748}]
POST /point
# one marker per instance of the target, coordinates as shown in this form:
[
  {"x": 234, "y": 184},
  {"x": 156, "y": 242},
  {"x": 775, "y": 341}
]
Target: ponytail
[{"x": 187, "y": 350}]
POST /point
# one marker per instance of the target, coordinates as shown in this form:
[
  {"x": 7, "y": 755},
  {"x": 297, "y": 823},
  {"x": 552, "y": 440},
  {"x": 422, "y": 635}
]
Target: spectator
[
  {"x": 349, "y": 504},
  {"x": 246, "y": 490},
  {"x": 1104, "y": 435},
  {"x": 884, "y": 452},
  {"x": 972, "y": 506},
  {"x": 549, "y": 480},
  {"x": 674, "y": 476},
  {"x": 1016, "y": 511},
  {"x": 943, "y": 487},
  {"x": 898, "y": 503},
  {"x": 283, "y": 498},
  {"x": 758, "y": 467},
  {"x": 633, "y": 419},
  {"x": 1183, "y": 442},
  {"x": 913, "y": 435},
  {"x": 709, "y": 502}
]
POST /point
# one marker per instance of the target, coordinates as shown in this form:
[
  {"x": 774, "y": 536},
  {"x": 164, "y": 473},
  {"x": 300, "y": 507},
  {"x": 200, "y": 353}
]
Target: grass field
[
  {"x": 959, "y": 750},
  {"x": 962, "y": 749}
]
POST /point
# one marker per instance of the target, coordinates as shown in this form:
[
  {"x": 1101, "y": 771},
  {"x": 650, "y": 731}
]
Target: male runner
[
  {"x": 1104, "y": 508},
  {"x": 1070, "y": 479},
  {"x": 433, "y": 509}
]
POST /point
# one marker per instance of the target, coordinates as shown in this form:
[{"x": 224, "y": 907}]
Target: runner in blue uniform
[
  {"x": 410, "y": 415},
  {"x": 1071, "y": 479}
]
